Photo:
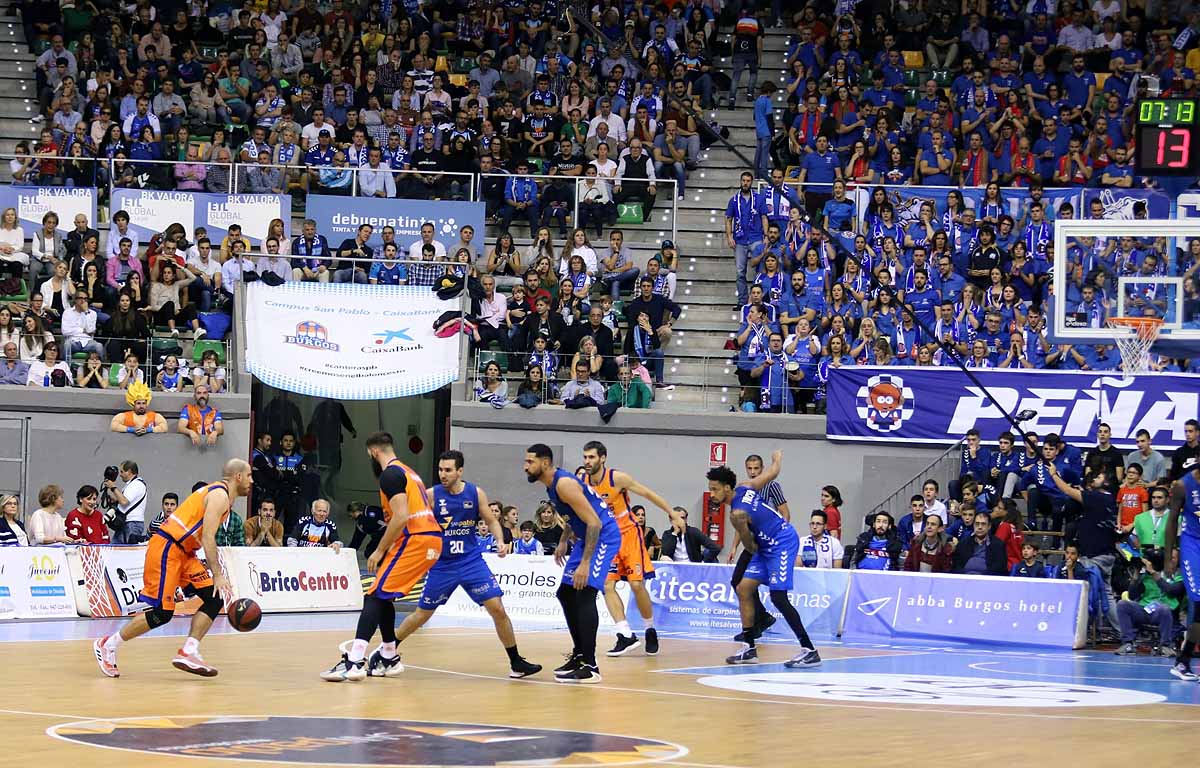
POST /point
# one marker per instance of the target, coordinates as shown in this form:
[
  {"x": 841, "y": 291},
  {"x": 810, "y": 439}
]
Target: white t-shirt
[
  {"x": 820, "y": 554},
  {"x": 414, "y": 250},
  {"x": 134, "y": 493}
]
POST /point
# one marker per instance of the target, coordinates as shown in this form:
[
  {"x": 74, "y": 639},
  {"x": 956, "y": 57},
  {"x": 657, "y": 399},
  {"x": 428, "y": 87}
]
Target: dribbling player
[
  {"x": 632, "y": 562},
  {"x": 411, "y": 545},
  {"x": 774, "y": 545},
  {"x": 458, "y": 507},
  {"x": 171, "y": 563},
  {"x": 596, "y": 541},
  {"x": 1183, "y": 530}
]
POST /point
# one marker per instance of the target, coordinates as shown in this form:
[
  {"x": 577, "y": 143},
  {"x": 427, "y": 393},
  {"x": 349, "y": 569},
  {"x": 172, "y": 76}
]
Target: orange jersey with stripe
[
  {"x": 420, "y": 516},
  {"x": 184, "y": 524},
  {"x": 617, "y": 499}
]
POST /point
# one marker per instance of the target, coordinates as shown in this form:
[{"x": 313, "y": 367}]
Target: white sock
[
  {"x": 648, "y": 622},
  {"x": 191, "y": 646},
  {"x": 358, "y": 650},
  {"x": 113, "y": 642},
  {"x": 387, "y": 650},
  {"x": 623, "y": 629}
]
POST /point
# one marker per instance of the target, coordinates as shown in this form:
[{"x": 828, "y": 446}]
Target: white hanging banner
[{"x": 349, "y": 341}]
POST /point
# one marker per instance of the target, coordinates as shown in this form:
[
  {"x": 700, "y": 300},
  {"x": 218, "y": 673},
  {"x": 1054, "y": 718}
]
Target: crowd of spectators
[{"x": 391, "y": 100}]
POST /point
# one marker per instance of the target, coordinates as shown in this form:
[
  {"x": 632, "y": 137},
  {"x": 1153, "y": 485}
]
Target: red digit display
[
  {"x": 1165, "y": 151},
  {"x": 1174, "y": 148}
]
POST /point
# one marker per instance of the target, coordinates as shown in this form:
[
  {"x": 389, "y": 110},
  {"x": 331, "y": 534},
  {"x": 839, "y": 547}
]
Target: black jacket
[
  {"x": 699, "y": 547},
  {"x": 997, "y": 556},
  {"x": 659, "y": 309},
  {"x": 534, "y": 321},
  {"x": 894, "y": 548}
]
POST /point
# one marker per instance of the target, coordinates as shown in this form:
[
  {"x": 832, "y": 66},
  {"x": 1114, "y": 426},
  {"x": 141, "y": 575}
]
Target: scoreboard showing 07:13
[{"x": 1167, "y": 134}]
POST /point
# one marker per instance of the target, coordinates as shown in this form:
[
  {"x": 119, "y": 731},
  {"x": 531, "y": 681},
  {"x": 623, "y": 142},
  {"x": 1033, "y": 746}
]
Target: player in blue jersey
[
  {"x": 1183, "y": 530},
  {"x": 593, "y": 540},
  {"x": 458, "y": 507},
  {"x": 774, "y": 545}
]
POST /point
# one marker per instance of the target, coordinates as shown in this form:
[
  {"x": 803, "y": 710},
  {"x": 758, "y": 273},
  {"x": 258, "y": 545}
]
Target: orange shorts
[
  {"x": 632, "y": 562},
  {"x": 169, "y": 566},
  {"x": 406, "y": 562}
]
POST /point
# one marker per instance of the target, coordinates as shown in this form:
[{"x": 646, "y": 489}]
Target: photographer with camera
[
  {"x": 1154, "y": 600},
  {"x": 124, "y": 507}
]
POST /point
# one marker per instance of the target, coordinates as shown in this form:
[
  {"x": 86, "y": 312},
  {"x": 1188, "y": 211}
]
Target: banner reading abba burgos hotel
[{"x": 348, "y": 341}]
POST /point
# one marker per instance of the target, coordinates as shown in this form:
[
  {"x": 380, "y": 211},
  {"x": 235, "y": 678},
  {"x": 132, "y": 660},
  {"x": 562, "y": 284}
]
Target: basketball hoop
[{"x": 1134, "y": 337}]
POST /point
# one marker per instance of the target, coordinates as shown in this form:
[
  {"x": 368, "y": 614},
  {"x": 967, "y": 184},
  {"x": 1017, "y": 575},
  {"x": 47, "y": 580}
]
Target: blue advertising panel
[
  {"x": 939, "y": 405},
  {"x": 339, "y": 218},
  {"x": 32, "y": 203},
  {"x": 1044, "y": 612},
  {"x": 151, "y": 212},
  {"x": 697, "y": 597}
]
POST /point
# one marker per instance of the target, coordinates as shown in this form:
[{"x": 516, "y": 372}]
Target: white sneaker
[
  {"x": 198, "y": 334},
  {"x": 105, "y": 658},
  {"x": 379, "y": 665},
  {"x": 346, "y": 671}
]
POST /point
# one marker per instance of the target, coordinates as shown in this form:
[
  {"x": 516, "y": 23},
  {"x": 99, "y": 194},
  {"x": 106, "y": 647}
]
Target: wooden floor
[{"x": 458, "y": 676}]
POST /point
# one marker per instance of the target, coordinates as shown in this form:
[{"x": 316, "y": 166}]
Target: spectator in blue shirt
[
  {"x": 388, "y": 271},
  {"x": 743, "y": 229},
  {"x": 520, "y": 198},
  {"x": 764, "y": 129},
  {"x": 936, "y": 162}
]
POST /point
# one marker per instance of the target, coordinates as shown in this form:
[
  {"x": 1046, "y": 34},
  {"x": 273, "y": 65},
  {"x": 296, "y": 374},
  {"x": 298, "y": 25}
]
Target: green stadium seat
[{"x": 202, "y": 346}]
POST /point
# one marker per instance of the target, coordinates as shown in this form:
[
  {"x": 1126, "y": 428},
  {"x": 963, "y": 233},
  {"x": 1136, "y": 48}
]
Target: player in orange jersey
[
  {"x": 172, "y": 562},
  {"x": 632, "y": 563},
  {"x": 411, "y": 544}
]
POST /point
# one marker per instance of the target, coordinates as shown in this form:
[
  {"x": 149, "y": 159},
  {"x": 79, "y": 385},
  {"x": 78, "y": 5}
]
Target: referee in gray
[{"x": 773, "y": 493}]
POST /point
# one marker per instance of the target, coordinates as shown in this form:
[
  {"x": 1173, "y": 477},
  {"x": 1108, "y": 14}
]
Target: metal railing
[
  {"x": 943, "y": 469},
  {"x": 151, "y": 351}
]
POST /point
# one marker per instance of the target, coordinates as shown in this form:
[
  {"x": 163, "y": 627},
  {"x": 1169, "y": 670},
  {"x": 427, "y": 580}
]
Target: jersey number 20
[{"x": 457, "y": 547}]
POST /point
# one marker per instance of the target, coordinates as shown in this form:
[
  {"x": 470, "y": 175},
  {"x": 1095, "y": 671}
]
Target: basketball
[{"x": 244, "y": 614}]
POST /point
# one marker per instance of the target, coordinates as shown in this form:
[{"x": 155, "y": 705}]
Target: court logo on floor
[
  {"x": 930, "y": 689},
  {"x": 366, "y": 742}
]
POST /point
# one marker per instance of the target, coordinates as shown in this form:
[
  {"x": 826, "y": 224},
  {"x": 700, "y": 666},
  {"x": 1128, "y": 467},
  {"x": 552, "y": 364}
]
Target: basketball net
[
  {"x": 95, "y": 583},
  {"x": 1134, "y": 336}
]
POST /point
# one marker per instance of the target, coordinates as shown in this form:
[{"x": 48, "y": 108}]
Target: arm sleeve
[{"x": 393, "y": 482}]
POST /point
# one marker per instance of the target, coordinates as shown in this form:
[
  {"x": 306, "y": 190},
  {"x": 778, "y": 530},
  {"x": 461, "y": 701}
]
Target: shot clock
[{"x": 1167, "y": 133}]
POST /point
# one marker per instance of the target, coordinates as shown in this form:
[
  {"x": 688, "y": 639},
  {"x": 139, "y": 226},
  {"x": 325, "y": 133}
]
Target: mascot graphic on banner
[{"x": 885, "y": 403}]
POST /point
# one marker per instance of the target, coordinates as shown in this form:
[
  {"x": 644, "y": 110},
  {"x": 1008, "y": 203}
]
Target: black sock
[
  {"x": 748, "y": 636},
  {"x": 567, "y": 599},
  {"x": 368, "y": 619},
  {"x": 387, "y": 621},
  {"x": 588, "y": 618},
  {"x": 779, "y": 598},
  {"x": 1185, "y": 653},
  {"x": 513, "y": 656}
]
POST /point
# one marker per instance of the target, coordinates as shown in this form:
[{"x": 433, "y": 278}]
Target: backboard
[{"x": 1133, "y": 268}]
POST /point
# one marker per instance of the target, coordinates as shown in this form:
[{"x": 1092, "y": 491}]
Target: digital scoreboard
[{"x": 1167, "y": 134}]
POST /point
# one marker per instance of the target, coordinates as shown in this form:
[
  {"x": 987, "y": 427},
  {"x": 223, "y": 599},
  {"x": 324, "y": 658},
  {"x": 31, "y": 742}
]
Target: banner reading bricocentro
[
  {"x": 151, "y": 212},
  {"x": 339, "y": 218},
  {"x": 348, "y": 341},
  {"x": 295, "y": 579}
]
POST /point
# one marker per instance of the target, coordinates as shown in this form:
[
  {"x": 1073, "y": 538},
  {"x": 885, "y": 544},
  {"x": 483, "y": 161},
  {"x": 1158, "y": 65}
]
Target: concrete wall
[
  {"x": 70, "y": 442},
  {"x": 670, "y": 453}
]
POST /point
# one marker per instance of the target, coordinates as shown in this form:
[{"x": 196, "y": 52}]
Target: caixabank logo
[{"x": 364, "y": 742}]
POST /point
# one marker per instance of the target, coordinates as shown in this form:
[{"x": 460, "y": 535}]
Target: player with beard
[
  {"x": 411, "y": 545},
  {"x": 774, "y": 545},
  {"x": 172, "y": 563},
  {"x": 459, "y": 506},
  {"x": 596, "y": 540},
  {"x": 632, "y": 562}
]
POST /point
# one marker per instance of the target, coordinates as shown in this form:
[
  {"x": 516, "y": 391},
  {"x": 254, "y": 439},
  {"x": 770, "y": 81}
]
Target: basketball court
[{"x": 872, "y": 705}]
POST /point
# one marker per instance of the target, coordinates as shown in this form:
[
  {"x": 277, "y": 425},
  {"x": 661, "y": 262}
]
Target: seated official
[
  {"x": 1153, "y": 600},
  {"x": 696, "y": 547}
]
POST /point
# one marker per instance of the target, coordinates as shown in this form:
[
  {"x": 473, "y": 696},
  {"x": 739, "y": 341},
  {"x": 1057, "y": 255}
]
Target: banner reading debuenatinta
[{"x": 348, "y": 341}]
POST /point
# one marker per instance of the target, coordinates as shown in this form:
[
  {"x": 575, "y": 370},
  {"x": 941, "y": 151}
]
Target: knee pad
[
  {"x": 211, "y": 603},
  {"x": 156, "y": 617}
]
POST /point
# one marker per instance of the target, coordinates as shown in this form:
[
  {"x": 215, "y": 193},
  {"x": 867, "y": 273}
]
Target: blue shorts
[
  {"x": 602, "y": 558},
  {"x": 773, "y": 565},
  {"x": 471, "y": 573},
  {"x": 1189, "y": 564}
]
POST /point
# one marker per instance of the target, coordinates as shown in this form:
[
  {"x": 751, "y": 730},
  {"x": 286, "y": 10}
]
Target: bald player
[
  {"x": 632, "y": 563},
  {"x": 172, "y": 562}
]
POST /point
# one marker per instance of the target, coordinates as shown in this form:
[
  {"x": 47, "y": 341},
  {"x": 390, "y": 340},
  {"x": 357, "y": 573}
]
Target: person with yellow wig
[{"x": 141, "y": 420}]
